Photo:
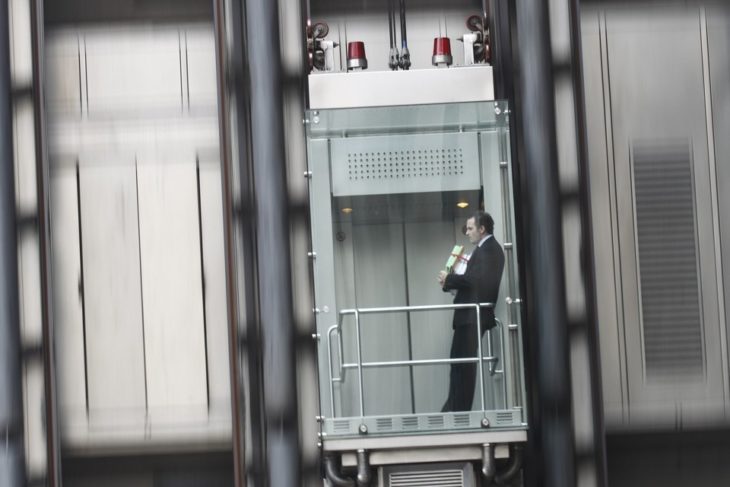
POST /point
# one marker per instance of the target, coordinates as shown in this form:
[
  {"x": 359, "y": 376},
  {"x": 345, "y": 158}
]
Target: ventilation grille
[
  {"x": 401, "y": 164},
  {"x": 341, "y": 426},
  {"x": 384, "y": 424},
  {"x": 432, "y": 478},
  {"x": 667, "y": 251},
  {"x": 461, "y": 420},
  {"x": 435, "y": 421},
  {"x": 409, "y": 423},
  {"x": 504, "y": 417}
]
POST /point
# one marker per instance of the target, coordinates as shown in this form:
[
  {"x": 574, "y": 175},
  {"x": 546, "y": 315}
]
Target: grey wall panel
[
  {"x": 67, "y": 312},
  {"x": 645, "y": 77},
  {"x": 111, "y": 278},
  {"x": 174, "y": 333},
  {"x": 380, "y": 281},
  {"x": 603, "y": 218},
  {"x": 214, "y": 278},
  {"x": 427, "y": 246}
]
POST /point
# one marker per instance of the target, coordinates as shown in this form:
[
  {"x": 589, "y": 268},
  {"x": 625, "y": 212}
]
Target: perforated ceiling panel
[{"x": 405, "y": 164}]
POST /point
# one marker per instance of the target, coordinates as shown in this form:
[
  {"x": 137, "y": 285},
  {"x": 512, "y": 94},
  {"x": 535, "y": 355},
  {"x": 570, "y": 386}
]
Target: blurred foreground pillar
[
  {"x": 272, "y": 244},
  {"x": 566, "y": 446},
  {"x": 12, "y": 468}
]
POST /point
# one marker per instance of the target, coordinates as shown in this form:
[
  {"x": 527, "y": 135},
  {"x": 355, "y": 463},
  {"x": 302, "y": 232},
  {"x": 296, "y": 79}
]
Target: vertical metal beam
[
  {"x": 53, "y": 462},
  {"x": 12, "y": 465},
  {"x": 592, "y": 461},
  {"x": 550, "y": 460},
  {"x": 223, "y": 66},
  {"x": 499, "y": 33},
  {"x": 272, "y": 242}
]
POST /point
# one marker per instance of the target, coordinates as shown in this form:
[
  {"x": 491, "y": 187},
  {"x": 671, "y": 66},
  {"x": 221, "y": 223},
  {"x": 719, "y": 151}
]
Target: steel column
[
  {"x": 224, "y": 65},
  {"x": 12, "y": 465},
  {"x": 53, "y": 441},
  {"x": 551, "y": 456},
  {"x": 593, "y": 456},
  {"x": 272, "y": 242}
]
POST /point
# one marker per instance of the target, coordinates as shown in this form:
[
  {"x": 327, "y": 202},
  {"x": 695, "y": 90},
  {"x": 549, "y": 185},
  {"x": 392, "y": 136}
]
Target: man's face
[{"x": 474, "y": 233}]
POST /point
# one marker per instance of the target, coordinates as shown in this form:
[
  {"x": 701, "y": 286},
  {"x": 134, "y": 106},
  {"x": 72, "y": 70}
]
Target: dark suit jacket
[{"x": 478, "y": 284}]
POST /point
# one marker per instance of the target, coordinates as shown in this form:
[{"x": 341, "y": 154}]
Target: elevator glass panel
[{"x": 391, "y": 189}]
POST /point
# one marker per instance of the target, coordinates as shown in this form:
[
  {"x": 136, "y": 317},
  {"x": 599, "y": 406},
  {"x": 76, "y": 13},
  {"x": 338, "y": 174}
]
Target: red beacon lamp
[
  {"x": 442, "y": 52},
  {"x": 356, "y": 56}
]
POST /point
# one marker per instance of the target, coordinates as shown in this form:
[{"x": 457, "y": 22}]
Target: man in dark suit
[{"x": 478, "y": 284}]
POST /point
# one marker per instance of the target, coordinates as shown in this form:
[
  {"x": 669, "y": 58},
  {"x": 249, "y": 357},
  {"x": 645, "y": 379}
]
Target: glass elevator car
[{"x": 391, "y": 189}]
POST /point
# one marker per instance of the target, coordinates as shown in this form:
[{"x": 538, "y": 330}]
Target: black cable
[
  {"x": 391, "y": 23},
  {"x": 403, "y": 38}
]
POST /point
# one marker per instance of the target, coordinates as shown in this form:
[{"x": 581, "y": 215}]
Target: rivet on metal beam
[
  {"x": 508, "y": 245},
  {"x": 503, "y": 164},
  {"x": 312, "y": 255},
  {"x": 308, "y": 174}
]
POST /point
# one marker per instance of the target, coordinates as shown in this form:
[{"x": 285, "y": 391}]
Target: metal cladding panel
[
  {"x": 132, "y": 71},
  {"x": 214, "y": 268},
  {"x": 112, "y": 291},
  {"x": 66, "y": 275},
  {"x": 174, "y": 329},
  {"x": 414, "y": 87},
  {"x": 405, "y": 164}
]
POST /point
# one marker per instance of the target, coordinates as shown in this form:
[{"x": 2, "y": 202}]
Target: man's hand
[{"x": 442, "y": 278}]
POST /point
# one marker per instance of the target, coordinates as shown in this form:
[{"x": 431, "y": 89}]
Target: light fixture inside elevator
[
  {"x": 346, "y": 211},
  {"x": 462, "y": 204}
]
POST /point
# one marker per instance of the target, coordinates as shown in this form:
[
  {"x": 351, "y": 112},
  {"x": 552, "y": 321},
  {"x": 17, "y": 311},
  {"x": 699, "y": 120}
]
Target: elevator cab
[{"x": 391, "y": 188}]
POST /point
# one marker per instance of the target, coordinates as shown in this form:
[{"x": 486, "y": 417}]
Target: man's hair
[{"x": 484, "y": 219}]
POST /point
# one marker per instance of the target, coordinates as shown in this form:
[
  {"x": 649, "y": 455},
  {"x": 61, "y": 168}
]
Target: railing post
[
  {"x": 329, "y": 363},
  {"x": 481, "y": 362},
  {"x": 359, "y": 367}
]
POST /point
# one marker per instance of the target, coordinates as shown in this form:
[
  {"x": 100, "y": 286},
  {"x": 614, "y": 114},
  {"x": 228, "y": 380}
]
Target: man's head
[{"x": 478, "y": 226}]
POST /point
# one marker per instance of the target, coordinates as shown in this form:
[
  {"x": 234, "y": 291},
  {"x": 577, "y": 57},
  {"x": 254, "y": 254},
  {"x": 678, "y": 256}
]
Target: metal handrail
[{"x": 359, "y": 365}]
